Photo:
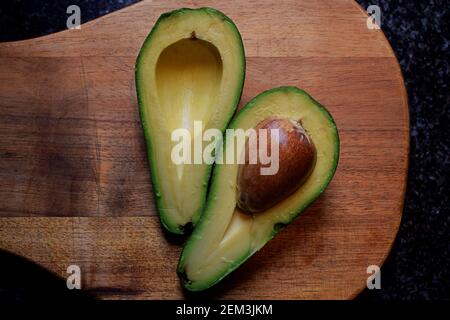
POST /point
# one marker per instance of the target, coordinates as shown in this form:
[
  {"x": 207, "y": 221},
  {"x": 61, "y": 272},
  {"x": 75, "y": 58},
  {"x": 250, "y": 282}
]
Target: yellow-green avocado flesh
[
  {"x": 190, "y": 68},
  {"x": 225, "y": 237}
]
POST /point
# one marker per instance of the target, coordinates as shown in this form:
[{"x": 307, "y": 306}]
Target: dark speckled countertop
[{"x": 418, "y": 267}]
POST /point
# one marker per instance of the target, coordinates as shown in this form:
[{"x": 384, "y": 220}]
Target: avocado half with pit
[
  {"x": 190, "y": 68},
  {"x": 228, "y": 233}
]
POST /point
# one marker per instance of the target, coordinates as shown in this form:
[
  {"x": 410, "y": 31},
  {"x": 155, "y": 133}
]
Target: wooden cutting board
[{"x": 75, "y": 184}]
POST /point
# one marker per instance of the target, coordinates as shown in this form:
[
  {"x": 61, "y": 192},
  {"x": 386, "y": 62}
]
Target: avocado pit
[{"x": 297, "y": 157}]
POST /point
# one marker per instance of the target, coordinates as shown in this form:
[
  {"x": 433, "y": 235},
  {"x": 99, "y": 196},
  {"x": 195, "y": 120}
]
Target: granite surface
[{"x": 419, "y": 264}]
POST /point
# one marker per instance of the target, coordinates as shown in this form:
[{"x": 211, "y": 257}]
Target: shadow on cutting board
[{"x": 24, "y": 281}]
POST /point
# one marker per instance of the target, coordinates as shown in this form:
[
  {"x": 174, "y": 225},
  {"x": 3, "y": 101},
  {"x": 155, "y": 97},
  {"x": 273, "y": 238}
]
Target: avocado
[
  {"x": 226, "y": 236},
  {"x": 190, "y": 68}
]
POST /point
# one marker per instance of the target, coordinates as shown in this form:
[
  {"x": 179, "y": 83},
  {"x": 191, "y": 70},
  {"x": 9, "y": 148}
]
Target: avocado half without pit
[
  {"x": 190, "y": 68},
  {"x": 244, "y": 209}
]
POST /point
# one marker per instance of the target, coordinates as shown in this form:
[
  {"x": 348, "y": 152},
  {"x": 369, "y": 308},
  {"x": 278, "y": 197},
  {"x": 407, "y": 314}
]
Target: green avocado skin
[
  {"x": 189, "y": 285},
  {"x": 140, "y": 87}
]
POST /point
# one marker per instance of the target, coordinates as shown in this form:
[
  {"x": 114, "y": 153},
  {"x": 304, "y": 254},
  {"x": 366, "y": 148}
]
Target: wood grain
[{"x": 74, "y": 179}]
